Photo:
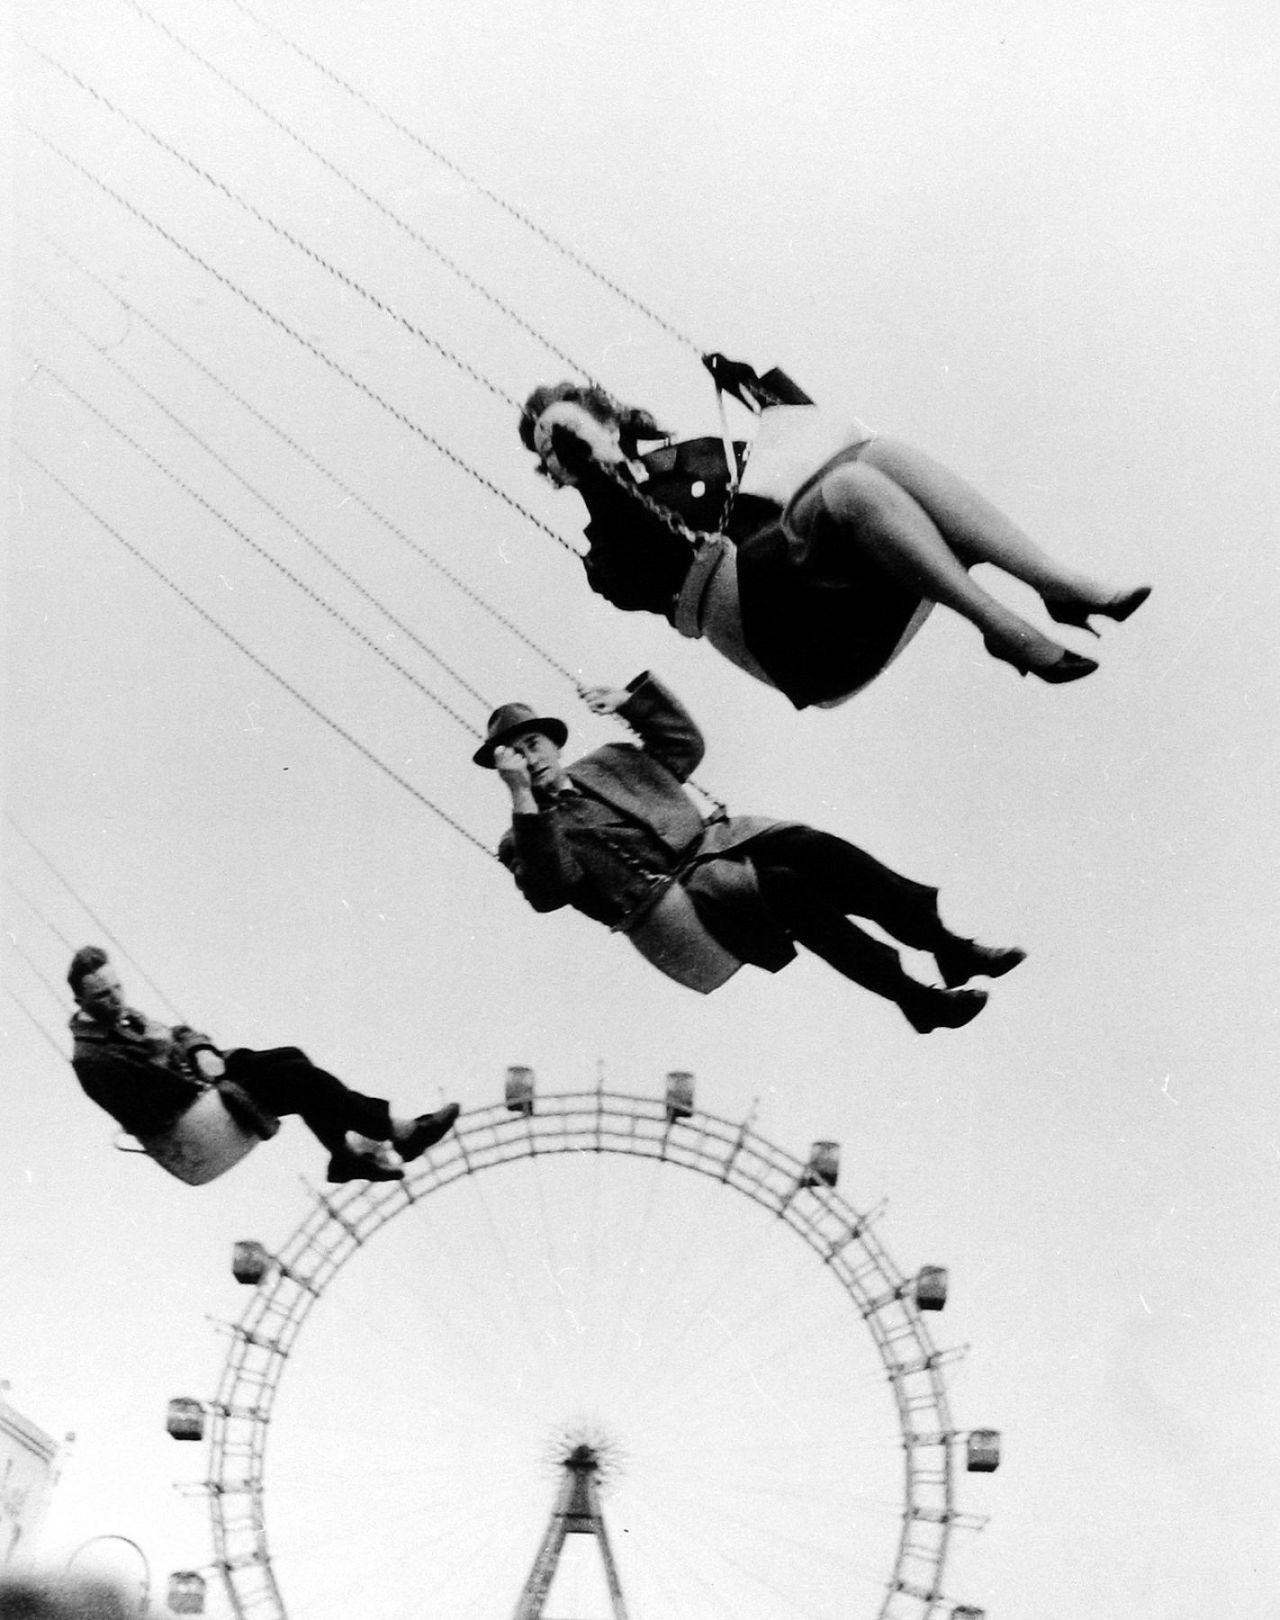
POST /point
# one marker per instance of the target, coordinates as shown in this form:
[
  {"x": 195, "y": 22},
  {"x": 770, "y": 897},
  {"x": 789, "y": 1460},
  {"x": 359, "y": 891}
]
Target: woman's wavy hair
[{"x": 633, "y": 423}]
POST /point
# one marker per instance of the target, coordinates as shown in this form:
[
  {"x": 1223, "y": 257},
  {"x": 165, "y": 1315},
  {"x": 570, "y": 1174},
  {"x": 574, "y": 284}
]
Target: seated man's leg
[
  {"x": 285, "y": 1081},
  {"x": 818, "y": 924},
  {"x": 845, "y": 879},
  {"x": 811, "y": 908},
  {"x": 856, "y": 882}
]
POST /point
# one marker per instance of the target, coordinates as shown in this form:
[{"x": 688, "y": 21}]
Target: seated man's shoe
[
  {"x": 427, "y": 1130},
  {"x": 928, "y": 1009},
  {"x": 965, "y": 959},
  {"x": 362, "y": 1159}
]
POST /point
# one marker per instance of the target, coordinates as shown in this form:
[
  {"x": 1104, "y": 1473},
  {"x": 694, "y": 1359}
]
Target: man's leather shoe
[
  {"x": 965, "y": 959},
  {"x": 373, "y": 1163},
  {"x": 931, "y": 1009},
  {"x": 427, "y": 1131}
]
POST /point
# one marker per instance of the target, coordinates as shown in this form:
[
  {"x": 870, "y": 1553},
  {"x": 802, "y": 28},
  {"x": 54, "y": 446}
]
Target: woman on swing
[{"x": 824, "y": 583}]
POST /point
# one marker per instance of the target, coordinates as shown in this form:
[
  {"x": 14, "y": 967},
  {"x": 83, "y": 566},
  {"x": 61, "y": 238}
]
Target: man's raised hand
[{"x": 605, "y": 699}]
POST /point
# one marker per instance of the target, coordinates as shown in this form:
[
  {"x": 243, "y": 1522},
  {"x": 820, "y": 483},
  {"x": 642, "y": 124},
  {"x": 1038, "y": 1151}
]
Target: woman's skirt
[{"x": 803, "y": 606}]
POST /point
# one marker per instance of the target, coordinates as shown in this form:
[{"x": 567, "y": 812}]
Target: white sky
[{"x": 1038, "y": 240}]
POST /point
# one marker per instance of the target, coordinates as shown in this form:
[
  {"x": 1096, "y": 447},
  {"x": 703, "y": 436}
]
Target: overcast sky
[{"x": 1036, "y": 239}]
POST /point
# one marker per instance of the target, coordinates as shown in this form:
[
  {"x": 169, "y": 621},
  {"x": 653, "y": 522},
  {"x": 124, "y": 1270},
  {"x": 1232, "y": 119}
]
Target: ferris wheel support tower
[{"x": 577, "y": 1512}]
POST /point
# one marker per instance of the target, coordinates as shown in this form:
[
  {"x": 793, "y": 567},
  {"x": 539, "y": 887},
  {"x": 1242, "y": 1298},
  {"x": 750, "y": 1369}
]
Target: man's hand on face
[{"x": 513, "y": 768}]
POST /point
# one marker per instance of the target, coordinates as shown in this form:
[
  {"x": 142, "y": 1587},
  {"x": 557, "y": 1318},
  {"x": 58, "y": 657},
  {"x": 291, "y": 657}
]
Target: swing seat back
[
  {"x": 672, "y": 936},
  {"x": 206, "y": 1140},
  {"x": 792, "y": 447}
]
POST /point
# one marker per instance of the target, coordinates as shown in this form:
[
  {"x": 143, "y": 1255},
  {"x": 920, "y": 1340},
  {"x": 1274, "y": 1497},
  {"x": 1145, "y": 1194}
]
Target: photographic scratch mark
[
  {"x": 756, "y": 1384},
  {"x": 556, "y": 1275}
]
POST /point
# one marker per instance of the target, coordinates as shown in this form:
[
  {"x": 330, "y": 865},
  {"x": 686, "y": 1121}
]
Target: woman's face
[{"x": 602, "y": 437}]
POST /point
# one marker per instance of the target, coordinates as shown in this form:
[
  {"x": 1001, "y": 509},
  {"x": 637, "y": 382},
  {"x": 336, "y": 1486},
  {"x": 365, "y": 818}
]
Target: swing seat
[
  {"x": 793, "y": 446},
  {"x": 209, "y": 1138},
  {"x": 671, "y": 935}
]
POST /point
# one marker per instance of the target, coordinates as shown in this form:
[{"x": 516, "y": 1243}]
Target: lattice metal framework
[
  {"x": 594, "y": 1121},
  {"x": 577, "y": 1512}
]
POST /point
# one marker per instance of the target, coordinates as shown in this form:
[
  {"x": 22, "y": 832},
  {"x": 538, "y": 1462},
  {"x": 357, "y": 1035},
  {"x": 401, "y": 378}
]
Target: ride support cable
[
  {"x": 531, "y": 225},
  {"x": 401, "y": 224},
  {"x": 339, "y": 484},
  {"x": 300, "y": 697}
]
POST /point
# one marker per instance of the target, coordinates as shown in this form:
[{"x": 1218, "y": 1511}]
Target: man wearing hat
[{"x": 615, "y": 835}]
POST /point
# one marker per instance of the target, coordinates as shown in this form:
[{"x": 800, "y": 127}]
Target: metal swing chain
[
  {"x": 658, "y": 882},
  {"x": 697, "y": 540}
]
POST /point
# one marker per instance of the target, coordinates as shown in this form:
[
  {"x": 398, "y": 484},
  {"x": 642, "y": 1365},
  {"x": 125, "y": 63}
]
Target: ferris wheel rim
[{"x": 590, "y": 1121}]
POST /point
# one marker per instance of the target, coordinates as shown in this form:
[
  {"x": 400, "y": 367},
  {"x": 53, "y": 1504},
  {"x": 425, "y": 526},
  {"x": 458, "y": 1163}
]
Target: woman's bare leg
[
  {"x": 877, "y": 514},
  {"x": 977, "y": 531}
]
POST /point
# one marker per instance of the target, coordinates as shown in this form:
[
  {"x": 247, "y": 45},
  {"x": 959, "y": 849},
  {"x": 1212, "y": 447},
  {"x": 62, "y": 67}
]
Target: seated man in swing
[
  {"x": 616, "y": 836},
  {"x": 147, "y": 1075}
]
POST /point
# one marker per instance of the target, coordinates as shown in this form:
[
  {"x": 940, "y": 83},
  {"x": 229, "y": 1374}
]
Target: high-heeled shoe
[
  {"x": 1067, "y": 666},
  {"x": 1072, "y": 611}
]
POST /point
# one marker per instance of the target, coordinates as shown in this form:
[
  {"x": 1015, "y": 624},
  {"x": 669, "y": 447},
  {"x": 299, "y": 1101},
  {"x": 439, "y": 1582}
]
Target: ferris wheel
[{"x": 603, "y": 1306}]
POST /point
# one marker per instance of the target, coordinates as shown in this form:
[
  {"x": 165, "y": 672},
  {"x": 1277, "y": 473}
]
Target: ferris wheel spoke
[
  {"x": 755, "y": 1342},
  {"x": 723, "y": 1570},
  {"x": 640, "y": 1246}
]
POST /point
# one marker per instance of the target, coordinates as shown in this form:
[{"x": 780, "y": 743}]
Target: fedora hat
[{"x": 509, "y": 721}]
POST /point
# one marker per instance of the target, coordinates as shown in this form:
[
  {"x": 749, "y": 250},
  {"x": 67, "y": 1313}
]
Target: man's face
[
  {"x": 100, "y": 995},
  {"x": 542, "y": 757}
]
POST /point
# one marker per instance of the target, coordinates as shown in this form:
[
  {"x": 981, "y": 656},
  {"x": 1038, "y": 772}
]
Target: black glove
[
  {"x": 573, "y": 453},
  {"x": 733, "y": 377},
  {"x": 737, "y": 378}
]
